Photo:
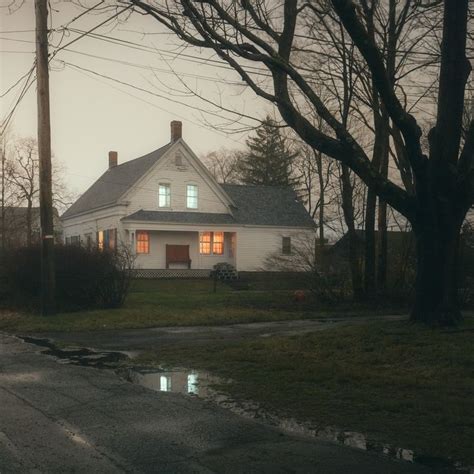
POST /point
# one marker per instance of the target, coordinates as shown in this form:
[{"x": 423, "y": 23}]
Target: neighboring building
[
  {"x": 16, "y": 226},
  {"x": 170, "y": 210},
  {"x": 400, "y": 254}
]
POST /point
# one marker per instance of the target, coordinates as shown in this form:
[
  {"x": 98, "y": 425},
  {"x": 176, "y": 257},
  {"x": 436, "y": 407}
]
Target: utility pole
[
  {"x": 44, "y": 153},
  {"x": 3, "y": 197}
]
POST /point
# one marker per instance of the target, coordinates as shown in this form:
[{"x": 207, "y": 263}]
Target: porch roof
[{"x": 180, "y": 217}]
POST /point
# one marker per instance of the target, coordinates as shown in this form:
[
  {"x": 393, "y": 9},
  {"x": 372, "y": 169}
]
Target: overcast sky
[{"x": 92, "y": 114}]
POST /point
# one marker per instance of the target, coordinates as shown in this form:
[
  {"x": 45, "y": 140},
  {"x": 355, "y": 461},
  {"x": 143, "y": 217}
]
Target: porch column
[{"x": 131, "y": 234}]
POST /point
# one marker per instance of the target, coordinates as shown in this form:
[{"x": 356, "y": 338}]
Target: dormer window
[
  {"x": 192, "y": 196},
  {"x": 164, "y": 195}
]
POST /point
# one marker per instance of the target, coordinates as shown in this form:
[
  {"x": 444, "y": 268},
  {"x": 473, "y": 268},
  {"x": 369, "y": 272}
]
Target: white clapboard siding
[
  {"x": 177, "y": 169},
  {"x": 255, "y": 244}
]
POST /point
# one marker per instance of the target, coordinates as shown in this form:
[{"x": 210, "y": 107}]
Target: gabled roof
[
  {"x": 108, "y": 189},
  {"x": 255, "y": 205},
  {"x": 249, "y": 205}
]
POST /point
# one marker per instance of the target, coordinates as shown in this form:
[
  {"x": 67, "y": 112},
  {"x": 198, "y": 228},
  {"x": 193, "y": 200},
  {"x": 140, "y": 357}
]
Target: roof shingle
[{"x": 115, "y": 182}]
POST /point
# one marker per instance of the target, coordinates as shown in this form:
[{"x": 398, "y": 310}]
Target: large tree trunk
[
  {"x": 322, "y": 201},
  {"x": 436, "y": 299},
  {"x": 382, "y": 247},
  {"x": 369, "y": 254},
  {"x": 354, "y": 254}
]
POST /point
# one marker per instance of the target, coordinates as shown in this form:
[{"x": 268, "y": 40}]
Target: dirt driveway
[{"x": 150, "y": 338}]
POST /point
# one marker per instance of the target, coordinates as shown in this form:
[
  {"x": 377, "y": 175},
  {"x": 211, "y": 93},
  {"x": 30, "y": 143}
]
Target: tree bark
[
  {"x": 322, "y": 201},
  {"x": 436, "y": 299},
  {"x": 348, "y": 210},
  {"x": 369, "y": 254},
  {"x": 382, "y": 247}
]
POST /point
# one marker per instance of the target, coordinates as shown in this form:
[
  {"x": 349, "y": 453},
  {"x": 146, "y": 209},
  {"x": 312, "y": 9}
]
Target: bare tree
[
  {"x": 253, "y": 33},
  {"x": 21, "y": 181},
  {"x": 22, "y": 171},
  {"x": 223, "y": 165}
]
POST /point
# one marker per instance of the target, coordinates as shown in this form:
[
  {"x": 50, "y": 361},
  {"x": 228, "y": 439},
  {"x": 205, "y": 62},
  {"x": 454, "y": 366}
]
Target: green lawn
[
  {"x": 402, "y": 384},
  {"x": 181, "y": 303}
]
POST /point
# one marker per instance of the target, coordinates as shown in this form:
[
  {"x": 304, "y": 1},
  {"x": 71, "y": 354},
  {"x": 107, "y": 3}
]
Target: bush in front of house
[{"x": 85, "y": 278}]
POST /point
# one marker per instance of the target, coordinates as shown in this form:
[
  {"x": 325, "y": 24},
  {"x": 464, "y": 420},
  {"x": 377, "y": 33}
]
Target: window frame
[
  {"x": 167, "y": 195},
  {"x": 221, "y": 243},
  {"x": 286, "y": 245},
  {"x": 140, "y": 241},
  {"x": 189, "y": 196},
  {"x": 211, "y": 243},
  {"x": 203, "y": 242}
]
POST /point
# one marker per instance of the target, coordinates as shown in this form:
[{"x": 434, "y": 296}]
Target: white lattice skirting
[{"x": 171, "y": 273}]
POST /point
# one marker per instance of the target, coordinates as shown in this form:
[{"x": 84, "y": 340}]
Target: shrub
[{"x": 85, "y": 278}]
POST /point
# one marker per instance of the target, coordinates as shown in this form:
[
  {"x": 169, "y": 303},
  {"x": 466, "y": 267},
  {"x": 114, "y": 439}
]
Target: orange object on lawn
[{"x": 299, "y": 295}]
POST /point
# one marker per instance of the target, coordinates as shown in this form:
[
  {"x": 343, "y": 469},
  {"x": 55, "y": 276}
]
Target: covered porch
[{"x": 190, "y": 253}]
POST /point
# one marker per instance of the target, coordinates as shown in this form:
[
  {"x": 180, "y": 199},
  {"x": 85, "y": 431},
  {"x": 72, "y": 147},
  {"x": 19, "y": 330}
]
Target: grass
[
  {"x": 406, "y": 385},
  {"x": 154, "y": 303}
]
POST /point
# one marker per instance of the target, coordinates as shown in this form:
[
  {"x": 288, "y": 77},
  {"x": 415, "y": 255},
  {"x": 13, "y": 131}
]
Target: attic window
[{"x": 178, "y": 159}]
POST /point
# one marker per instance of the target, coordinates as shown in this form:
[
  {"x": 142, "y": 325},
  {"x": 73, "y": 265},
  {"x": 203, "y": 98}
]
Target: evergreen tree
[{"x": 268, "y": 160}]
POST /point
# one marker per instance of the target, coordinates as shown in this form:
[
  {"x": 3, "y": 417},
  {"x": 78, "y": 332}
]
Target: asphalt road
[
  {"x": 64, "y": 418},
  {"x": 150, "y": 338}
]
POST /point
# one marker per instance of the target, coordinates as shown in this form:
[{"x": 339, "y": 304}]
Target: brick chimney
[
  {"x": 113, "y": 159},
  {"x": 176, "y": 130}
]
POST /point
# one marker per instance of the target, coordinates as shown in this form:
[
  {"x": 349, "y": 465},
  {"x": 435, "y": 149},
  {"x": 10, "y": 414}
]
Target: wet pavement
[
  {"x": 151, "y": 338},
  {"x": 204, "y": 385},
  {"x": 58, "y": 415}
]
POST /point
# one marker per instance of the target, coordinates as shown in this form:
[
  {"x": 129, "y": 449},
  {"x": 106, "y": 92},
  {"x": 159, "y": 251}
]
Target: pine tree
[{"x": 268, "y": 160}]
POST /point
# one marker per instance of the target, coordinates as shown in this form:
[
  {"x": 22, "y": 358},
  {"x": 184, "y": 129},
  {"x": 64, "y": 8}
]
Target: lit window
[
  {"x": 143, "y": 242},
  {"x": 107, "y": 239},
  {"x": 193, "y": 384},
  {"x": 100, "y": 240},
  {"x": 164, "y": 195},
  {"x": 211, "y": 241},
  {"x": 218, "y": 243},
  {"x": 205, "y": 243},
  {"x": 192, "y": 196},
  {"x": 286, "y": 246},
  {"x": 165, "y": 383}
]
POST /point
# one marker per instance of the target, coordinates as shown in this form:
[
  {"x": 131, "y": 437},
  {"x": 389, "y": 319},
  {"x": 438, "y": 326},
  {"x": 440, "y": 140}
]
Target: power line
[
  {"x": 23, "y": 92},
  {"x": 155, "y": 93},
  {"x": 152, "y": 68},
  {"x": 15, "y": 84},
  {"x": 204, "y": 61},
  {"x": 157, "y": 106},
  {"x": 5, "y": 32},
  {"x": 87, "y": 33}
]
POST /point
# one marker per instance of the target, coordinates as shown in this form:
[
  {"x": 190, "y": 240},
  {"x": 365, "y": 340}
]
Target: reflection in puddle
[
  {"x": 185, "y": 382},
  {"x": 202, "y": 384}
]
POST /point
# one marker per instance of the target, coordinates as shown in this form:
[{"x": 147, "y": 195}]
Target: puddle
[
  {"x": 78, "y": 356},
  {"x": 202, "y": 384}
]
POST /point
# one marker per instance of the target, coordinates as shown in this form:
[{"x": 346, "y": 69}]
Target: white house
[{"x": 175, "y": 216}]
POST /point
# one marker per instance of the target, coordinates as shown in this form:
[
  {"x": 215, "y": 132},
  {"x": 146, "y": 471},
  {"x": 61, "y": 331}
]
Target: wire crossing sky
[{"x": 116, "y": 83}]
